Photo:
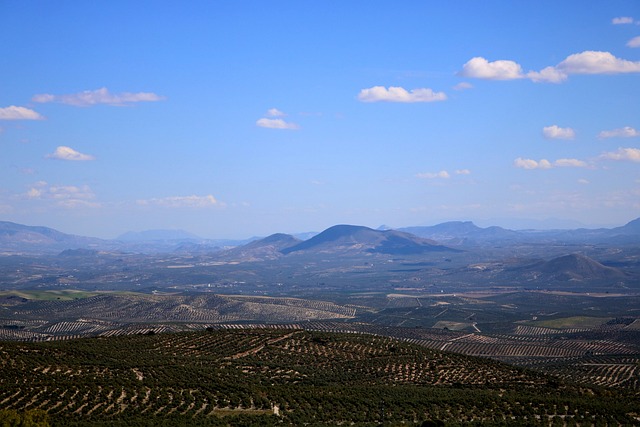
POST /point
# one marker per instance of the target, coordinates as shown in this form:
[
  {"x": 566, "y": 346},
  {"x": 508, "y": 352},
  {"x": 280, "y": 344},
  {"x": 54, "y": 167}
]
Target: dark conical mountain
[{"x": 354, "y": 239}]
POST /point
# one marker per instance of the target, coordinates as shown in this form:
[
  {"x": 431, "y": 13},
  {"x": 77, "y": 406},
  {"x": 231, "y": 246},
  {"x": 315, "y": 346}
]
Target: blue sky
[{"x": 230, "y": 119}]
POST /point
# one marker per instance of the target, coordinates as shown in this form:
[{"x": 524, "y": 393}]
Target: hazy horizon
[{"x": 238, "y": 119}]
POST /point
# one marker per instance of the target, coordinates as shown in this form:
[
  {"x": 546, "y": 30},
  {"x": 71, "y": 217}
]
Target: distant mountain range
[
  {"x": 466, "y": 233},
  {"x": 448, "y": 236},
  {"x": 157, "y": 235}
]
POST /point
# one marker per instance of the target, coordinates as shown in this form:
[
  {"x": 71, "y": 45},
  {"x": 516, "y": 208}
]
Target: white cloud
[
  {"x": 480, "y": 68},
  {"x": 181, "y": 201},
  {"x": 66, "y": 196},
  {"x": 68, "y": 153},
  {"x": 587, "y": 62},
  {"x": 99, "y": 96},
  {"x": 556, "y": 132},
  {"x": 630, "y": 154},
  {"x": 463, "y": 172},
  {"x": 429, "y": 175},
  {"x": 276, "y": 124},
  {"x": 625, "y": 132},
  {"x": 274, "y": 112},
  {"x": 571, "y": 163},
  {"x": 18, "y": 113},
  {"x": 595, "y": 62},
  {"x": 547, "y": 75},
  {"x": 463, "y": 86},
  {"x": 622, "y": 20},
  {"x": 399, "y": 94},
  {"x": 634, "y": 42},
  {"x": 583, "y": 181},
  {"x": 531, "y": 164}
]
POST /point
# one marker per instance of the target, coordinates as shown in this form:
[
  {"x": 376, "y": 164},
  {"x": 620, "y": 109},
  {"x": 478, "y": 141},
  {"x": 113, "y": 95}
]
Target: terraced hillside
[
  {"x": 113, "y": 313},
  {"x": 285, "y": 377}
]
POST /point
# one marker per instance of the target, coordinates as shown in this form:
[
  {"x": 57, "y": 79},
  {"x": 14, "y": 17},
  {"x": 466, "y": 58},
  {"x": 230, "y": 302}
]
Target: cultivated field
[{"x": 290, "y": 376}]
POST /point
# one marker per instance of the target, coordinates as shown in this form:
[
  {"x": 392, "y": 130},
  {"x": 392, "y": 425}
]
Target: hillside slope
[{"x": 286, "y": 377}]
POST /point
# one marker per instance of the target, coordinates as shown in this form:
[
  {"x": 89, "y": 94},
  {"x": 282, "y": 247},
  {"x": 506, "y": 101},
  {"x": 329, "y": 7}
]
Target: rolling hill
[{"x": 573, "y": 267}]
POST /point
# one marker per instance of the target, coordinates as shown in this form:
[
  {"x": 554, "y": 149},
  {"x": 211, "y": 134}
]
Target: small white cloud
[
  {"x": 463, "y": 86},
  {"x": 399, "y": 94},
  {"x": 68, "y": 153},
  {"x": 276, "y": 124},
  {"x": 181, "y": 201},
  {"x": 532, "y": 164},
  {"x": 480, "y": 68},
  {"x": 19, "y": 113},
  {"x": 429, "y": 175},
  {"x": 625, "y": 132},
  {"x": 583, "y": 181},
  {"x": 622, "y": 20},
  {"x": 570, "y": 163},
  {"x": 99, "y": 96},
  {"x": 630, "y": 154},
  {"x": 463, "y": 172},
  {"x": 556, "y": 132},
  {"x": 634, "y": 42},
  {"x": 274, "y": 112}
]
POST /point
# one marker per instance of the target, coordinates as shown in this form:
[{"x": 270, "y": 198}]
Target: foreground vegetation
[{"x": 291, "y": 377}]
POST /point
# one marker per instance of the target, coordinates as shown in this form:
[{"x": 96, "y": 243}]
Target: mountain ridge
[{"x": 16, "y": 237}]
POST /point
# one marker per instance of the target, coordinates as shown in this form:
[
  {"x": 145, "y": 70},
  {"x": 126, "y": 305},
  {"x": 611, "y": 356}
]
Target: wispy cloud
[
  {"x": 634, "y": 42},
  {"x": 556, "y": 132},
  {"x": 68, "y": 153},
  {"x": 181, "y": 201},
  {"x": 276, "y": 124},
  {"x": 532, "y": 164},
  {"x": 18, "y": 113},
  {"x": 625, "y": 132},
  {"x": 274, "y": 112},
  {"x": 66, "y": 196},
  {"x": 463, "y": 86},
  {"x": 622, "y": 20},
  {"x": 276, "y": 121},
  {"x": 99, "y": 96},
  {"x": 463, "y": 172},
  {"x": 433, "y": 175},
  {"x": 570, "y": 163},
  {"x": 629, "y": 154},
  {"x": 399, "y": 94},
  {"x": 587, "y": 62},
  {"x": 546, "y": 164}
]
